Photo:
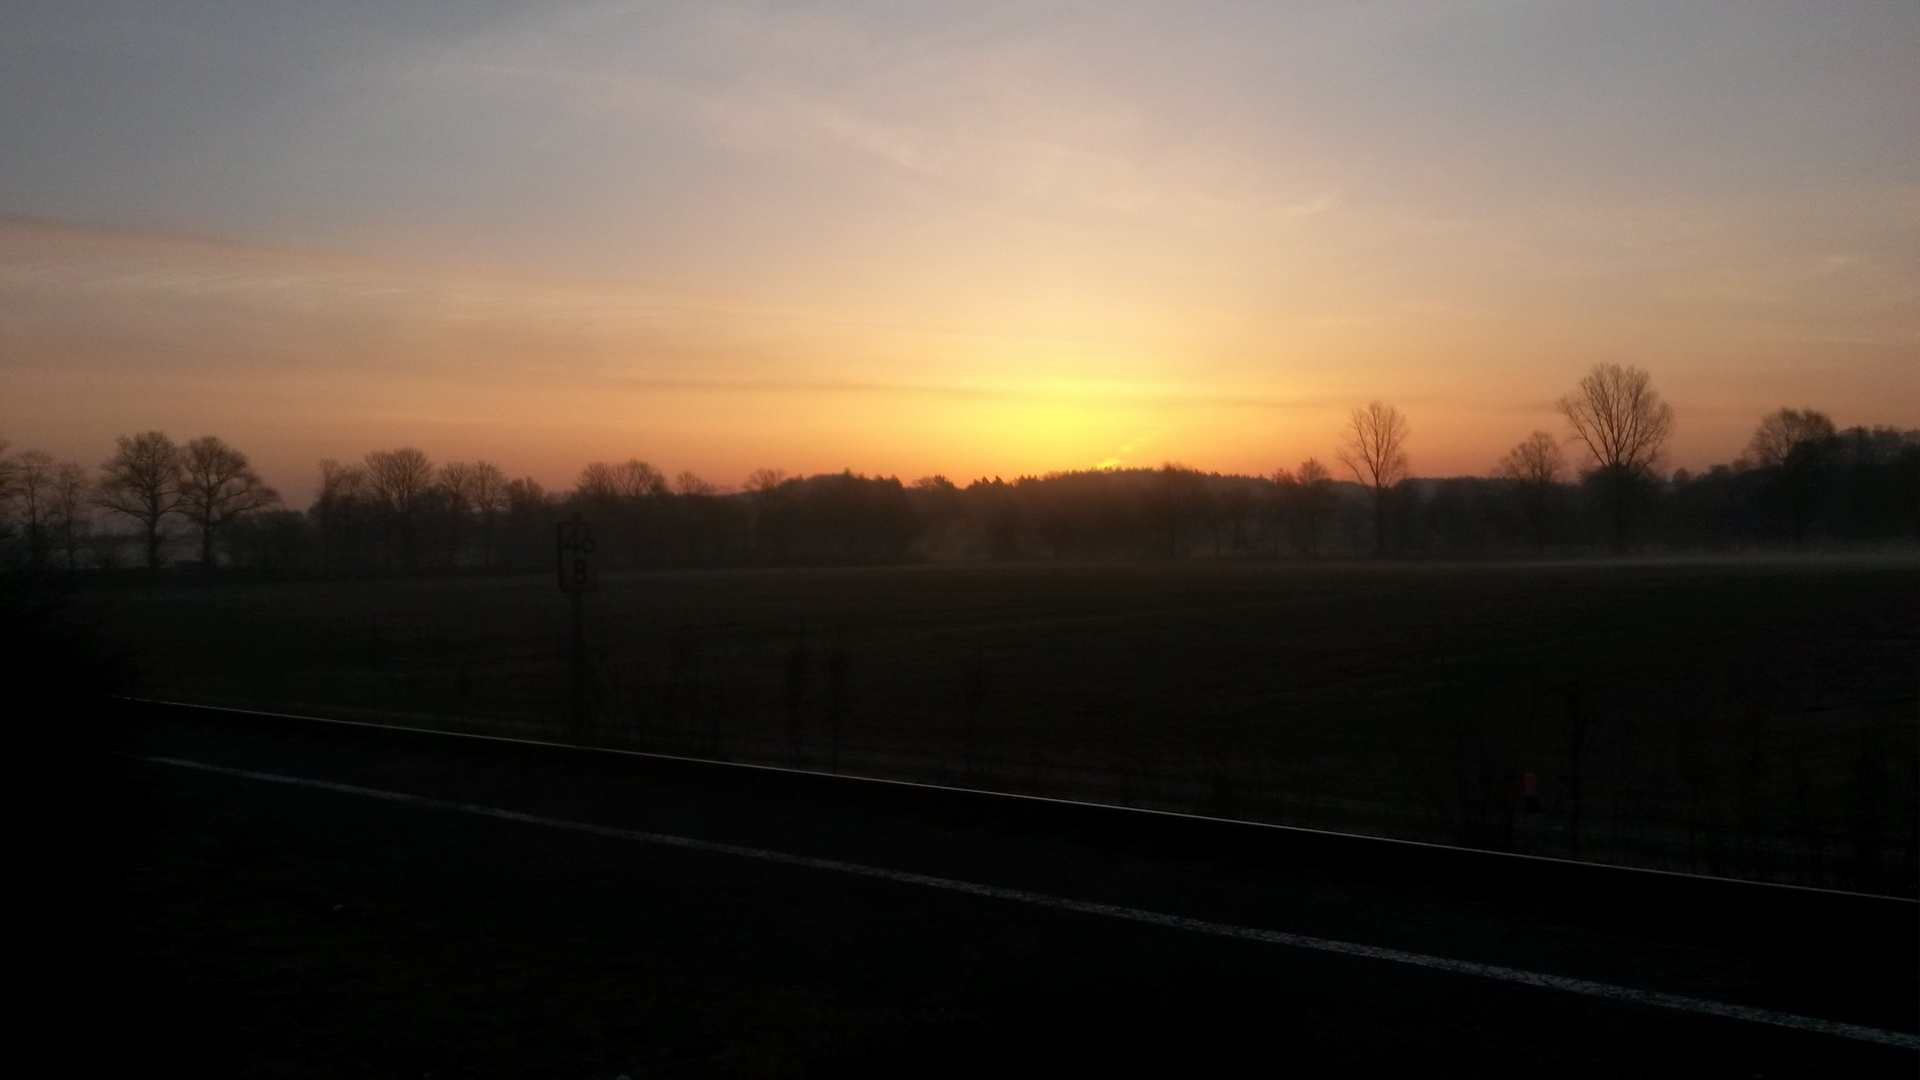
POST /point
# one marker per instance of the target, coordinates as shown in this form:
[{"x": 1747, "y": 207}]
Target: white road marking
[{"x": 1606, "y": 991}]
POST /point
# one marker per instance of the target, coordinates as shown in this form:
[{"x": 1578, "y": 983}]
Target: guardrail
[{"x": 1691, "y": 905}]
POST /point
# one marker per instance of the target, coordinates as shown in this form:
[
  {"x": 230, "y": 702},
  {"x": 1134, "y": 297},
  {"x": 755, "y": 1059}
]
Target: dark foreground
[
  {"x": 275, "y": 929},
  {"x": 1738, "y": 717}
]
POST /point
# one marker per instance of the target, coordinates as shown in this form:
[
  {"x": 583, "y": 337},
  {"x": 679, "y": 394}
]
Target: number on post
[{"x": 579, "y": 570}]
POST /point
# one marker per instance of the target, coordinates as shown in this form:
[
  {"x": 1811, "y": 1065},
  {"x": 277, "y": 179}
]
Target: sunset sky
[{"x": 969, "y": 239}]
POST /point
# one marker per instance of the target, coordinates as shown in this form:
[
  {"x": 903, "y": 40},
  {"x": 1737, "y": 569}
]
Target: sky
[{"x": 971, "y": 239}]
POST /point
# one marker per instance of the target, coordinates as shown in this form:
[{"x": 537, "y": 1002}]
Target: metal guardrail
[{"x": 1690, "y": 903}]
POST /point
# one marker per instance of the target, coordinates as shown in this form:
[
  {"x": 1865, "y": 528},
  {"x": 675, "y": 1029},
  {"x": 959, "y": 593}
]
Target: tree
[
  {"x": 525, "y": 497},
  {"x": 632, "y": 481},
  {"x": 7, "y": 472},
  {"x": 595, "y": 483},
  {"x": 71, "y": 490},
  {"x": 635, "y": 480},
  {"x": 487, "y": 487},
  {"x": 1374, "y": 448},
  {"x": 1620, "y": 418},
  {"x": 217, "y": 487},
  {"x": 399, "y": 482},
  {"x": 764, "y": 479},
  {"x": 456, "y": 495},
  {"x": 1314, "y": 500},
  {"x": 687, "y": 483},
  {"x": 1178, "y": 494},
  {"x": 1535, "y": 465},
  {"x": 628, "y": 494},
  {"x": 33, "y": 480},
  {"x": 142, "y": 481},
  {"x": 1795, "y": 446},
  {"x": 1789, "y": 432},
  {"x": 529, "y": 516},
  {"x": 340, "y": 486},
  {"x": 1236, "y": 506}
]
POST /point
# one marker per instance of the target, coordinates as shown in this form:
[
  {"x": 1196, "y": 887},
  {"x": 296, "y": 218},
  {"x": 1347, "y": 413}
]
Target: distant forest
[{"x": 157, "y": 504}]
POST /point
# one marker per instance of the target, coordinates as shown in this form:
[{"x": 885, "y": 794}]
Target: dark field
[{"x": 1745, "y": 718}]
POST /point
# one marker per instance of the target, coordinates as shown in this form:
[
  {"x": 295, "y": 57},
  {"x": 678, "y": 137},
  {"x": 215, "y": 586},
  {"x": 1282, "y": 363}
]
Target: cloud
[
  {"x": 1000, "y": 117},
  {"x": 125, "y": 301}
]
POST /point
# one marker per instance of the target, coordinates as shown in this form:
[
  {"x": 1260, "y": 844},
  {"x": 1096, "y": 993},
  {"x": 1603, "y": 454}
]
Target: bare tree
[
  {"x": 525, "y": 497},
  {"x": 1795, "y": 446},
  {"x": 689, "y": 484},
  {"x": 142, "y": 481},
  {"x": 595, "y": 483},
  {"x": 1237, "y": 506},
  {"x": 456, "y": 493},
  {"x": 631, "y": 480},
  {"x": 1374, "y": 448},
  {"x": 340, "y": 485},
  {"x": 7, "y": 472},
  {"x": 635, "y": 480},
  {"x": 767, "y": 479},
  {"x": 1536, "y": 465},
  {"x": 399, "y": 482},
  {"x": 1787, "y": 432},
  {"x": 627, "y": 493},
  {"x": 217, "y": 487},
  {"x": 1625, "y": 425},
  {"x": 1302, "y": 500},
  {"x": 71, "y": 492},
  {"x": 488, "y": 489},
  {"x": 1315, "y": 499},
  {"x": 33, "y": 480}
]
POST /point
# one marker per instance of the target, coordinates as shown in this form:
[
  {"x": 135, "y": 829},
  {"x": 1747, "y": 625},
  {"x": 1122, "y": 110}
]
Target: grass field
[{"x": 1750, "y": 718}]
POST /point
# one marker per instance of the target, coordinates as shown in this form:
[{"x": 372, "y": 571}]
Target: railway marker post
[{"x": 579, "y": 574}]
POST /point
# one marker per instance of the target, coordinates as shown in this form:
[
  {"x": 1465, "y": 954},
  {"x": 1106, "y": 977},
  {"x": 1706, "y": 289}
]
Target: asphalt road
[{"x": 497, "y": 912}]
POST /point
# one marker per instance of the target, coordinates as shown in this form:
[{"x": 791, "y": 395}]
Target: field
[{"x": 1741, "y": 717}]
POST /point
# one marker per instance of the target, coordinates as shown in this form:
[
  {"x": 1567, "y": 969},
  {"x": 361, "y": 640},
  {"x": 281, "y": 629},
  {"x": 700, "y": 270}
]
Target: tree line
[{"x": 202, "y": 504}]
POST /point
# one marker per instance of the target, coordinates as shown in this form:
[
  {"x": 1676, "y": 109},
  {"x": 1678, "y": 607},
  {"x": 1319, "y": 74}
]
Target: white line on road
[{"x": 1586, "y": 987}]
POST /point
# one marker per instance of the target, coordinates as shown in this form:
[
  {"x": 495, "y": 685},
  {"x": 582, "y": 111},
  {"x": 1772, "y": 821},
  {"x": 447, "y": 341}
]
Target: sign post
[{"x": 579, "y": 574}]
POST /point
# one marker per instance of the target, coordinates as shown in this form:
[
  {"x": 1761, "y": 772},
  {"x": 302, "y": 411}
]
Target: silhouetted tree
[
  {"x": 1795, "y": 446},
  {"x": 487, "y": 488},
  {"x": 627, "y": 496},
  {"x": 400, "y": 482},
  {"x": 1178, "y": 495},
  {"x": 529, "y": 521},
  {"x": 71, "y": 492},
  {"x": 1877, "y": 483},
  {"x": 342, "y": 486},
  {"x": 1374, "y": 448},
  {"x": 689, "y": 484},
  {"x": 1315, "y": 500},
  {"x": 1237, "y": 501},
  {"x": 142, "y": 481},
  {"x": 456, "y": 499},
  {"x": 1535, "y": 465},
  {"x": 1625, "y": 425},
  {"x": 7, "y": 471},
  {"x": 33, "y": 481},
  {"x": 218, "y": 486},
  {"x": 1302, "y": 501}
]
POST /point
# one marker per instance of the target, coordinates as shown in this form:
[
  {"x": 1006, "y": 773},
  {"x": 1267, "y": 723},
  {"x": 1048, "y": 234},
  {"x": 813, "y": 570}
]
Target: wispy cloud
[{"x": 999, "y": 117}]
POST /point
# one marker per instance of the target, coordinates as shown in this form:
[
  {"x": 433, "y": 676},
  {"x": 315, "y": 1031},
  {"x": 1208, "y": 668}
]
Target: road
[{"x": 302, "y": 900}]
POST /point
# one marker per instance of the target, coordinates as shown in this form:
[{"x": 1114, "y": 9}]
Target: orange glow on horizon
[{"x": 726, "y": 237}]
